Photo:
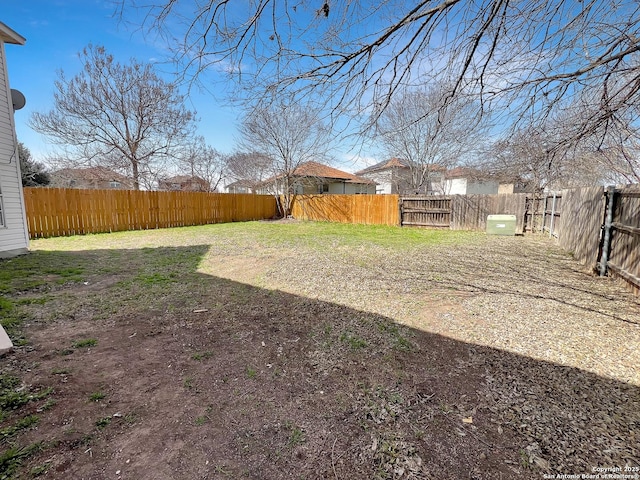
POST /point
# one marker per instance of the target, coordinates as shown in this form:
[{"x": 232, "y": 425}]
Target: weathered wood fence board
[
  {"x": 551, "y": 212},
  {"x": 363, "y": 209},
  {"x": 426, "y": 211},
  {"x": 59, "y": 212},
  {"x": 469, "y": 212},
  {"x": 461, "y": 212},
  {"x": 624, "y": 254},
  {"x": 581, "y": 222}
]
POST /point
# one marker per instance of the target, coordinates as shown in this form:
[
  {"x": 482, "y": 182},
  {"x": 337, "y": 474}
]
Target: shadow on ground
[{"x": 203, "y": 377}]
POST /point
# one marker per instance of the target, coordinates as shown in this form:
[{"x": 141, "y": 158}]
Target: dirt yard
[{"x": 314, "y": 351}]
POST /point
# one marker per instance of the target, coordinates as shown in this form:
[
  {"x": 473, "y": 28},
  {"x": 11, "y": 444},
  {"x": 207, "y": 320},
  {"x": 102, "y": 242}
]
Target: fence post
[{"x": 606, "y": 238}]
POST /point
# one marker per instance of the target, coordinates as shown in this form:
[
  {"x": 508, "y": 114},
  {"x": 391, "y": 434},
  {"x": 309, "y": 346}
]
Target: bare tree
[
  {"x": 118, "y": 116},
  {"x": 200, "y": 160},
  {"x": 527, "y": 158},
  {"x": 289, "y": 135},
  {"x": 529, "y": 56},
  {"x": 430, "y": 133},
  {"x": 249, "y": 167},
  {"x": 541, "y": 159},
  {"x": 614, "y": 149}
]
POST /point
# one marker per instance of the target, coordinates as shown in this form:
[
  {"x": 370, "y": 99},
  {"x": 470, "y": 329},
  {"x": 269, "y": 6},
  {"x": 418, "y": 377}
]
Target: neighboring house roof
[
  {"x": 243, "y": 183},
  {"x": 394, "y": 163},
  {"x": 319, "y": 170},
  {"x": 315, "y": 169},
  {"x": 183, "y": 182},
  {"x": 464, "y": 172},
  {"x": 8, "y": 35},
  {"x": 384, "y": 165},
  {"x": 91, "y": 174}
]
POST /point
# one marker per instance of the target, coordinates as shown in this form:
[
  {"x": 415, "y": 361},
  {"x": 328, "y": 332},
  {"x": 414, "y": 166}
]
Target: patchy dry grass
[{"x": 310, "y": 350}]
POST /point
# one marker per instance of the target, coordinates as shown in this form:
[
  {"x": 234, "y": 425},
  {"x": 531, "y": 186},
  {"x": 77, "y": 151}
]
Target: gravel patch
[
  {"x": 577, "y": 405},
  {"x": 520, "y": 294}
]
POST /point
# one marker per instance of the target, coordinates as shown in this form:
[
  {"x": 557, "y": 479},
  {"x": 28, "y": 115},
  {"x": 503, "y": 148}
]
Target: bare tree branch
[
  {"x": 288, "y": 135},
  {"x": 430, "y": 132},
  {"x": 527, "y": 58},
  {"x": 118, "y": 116}
]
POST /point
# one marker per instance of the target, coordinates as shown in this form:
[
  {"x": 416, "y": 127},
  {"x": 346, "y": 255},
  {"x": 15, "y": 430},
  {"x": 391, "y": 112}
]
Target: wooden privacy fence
[
  {"x": 66, "y": 211},
  {"x": 542, "y": 213},
  {"x": 421, "y": 211},
  {"x": 581, "y": 223},
  {"x": 602, "y": 230},
  {"x": 461, "y": 212},
  {"x": 364, "y": 209},
  {"x": 620, "y": 251}
]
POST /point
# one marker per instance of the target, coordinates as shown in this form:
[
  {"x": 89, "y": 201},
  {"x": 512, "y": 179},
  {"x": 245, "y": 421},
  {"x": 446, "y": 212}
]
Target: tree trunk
[{"x": 136, "y": 174}]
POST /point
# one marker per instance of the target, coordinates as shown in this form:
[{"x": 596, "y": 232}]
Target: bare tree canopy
[
  {"x": 199, "y": 160},
  {"x": 123, "y": 117},
  {"x": 539, "y": 159},
  {"x": 524, "y": 57},
  {"x": 250, "y": 168},
  {"x": 614, "y": 149},
  {"x": 430, "y": 132},
  {"x": 289, "y": 135}
]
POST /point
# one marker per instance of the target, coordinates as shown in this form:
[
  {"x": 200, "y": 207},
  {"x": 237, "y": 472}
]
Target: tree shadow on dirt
[{"x": 204, "y": 377}]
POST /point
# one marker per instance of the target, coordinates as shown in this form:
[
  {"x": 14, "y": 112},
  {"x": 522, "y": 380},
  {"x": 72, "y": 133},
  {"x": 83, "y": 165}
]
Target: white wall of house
[
  {"x": 398, "y": 180},
  {"x": 456, "y": 186},
  {"x": 383, "y": 179},
  {"x": 465, "y": 186},
  {"x": 351, "y": 188},
  {"x": 14, "y": 235}
]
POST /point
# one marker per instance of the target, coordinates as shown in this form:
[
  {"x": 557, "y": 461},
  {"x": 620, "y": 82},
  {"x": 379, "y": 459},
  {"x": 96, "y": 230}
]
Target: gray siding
[{"x": 14, "y": 235}]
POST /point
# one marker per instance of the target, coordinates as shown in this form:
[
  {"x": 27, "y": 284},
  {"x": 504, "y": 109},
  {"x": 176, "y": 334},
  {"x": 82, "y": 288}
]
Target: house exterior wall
[
  {"x": 486, "y": 187},
  {"x": 392, "y": 180},
  {"x": 505, "y": 188},
  {"x": 14, "y": 235},
  {"x": 437, "y": 185},
  {"x": 456, "y": 186},
  {"x": 465, "y": 186},
  {"x": 237, "y": 189},
  {"x": 384, "y": 179},
  {"x": 351, "y": 188},
  {"x": 397, "y": 180}
]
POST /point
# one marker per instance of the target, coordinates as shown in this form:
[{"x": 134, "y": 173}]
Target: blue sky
[{"x": 56, "y": 30}]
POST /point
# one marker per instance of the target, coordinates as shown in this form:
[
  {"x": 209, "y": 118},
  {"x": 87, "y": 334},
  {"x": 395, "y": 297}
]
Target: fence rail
[{"x": 66, "y": 211}]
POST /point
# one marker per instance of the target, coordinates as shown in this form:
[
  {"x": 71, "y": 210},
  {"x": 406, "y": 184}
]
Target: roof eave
[{"x": 10, "y": 36}]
